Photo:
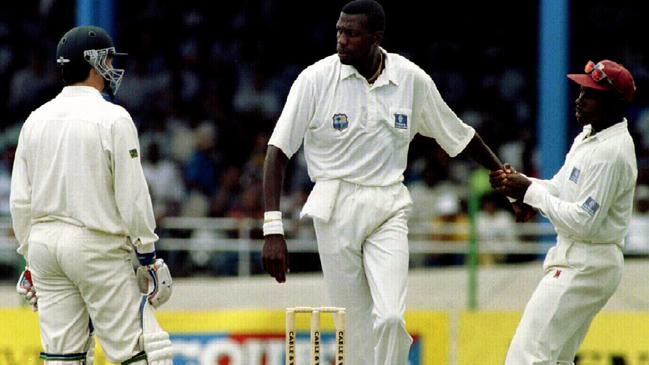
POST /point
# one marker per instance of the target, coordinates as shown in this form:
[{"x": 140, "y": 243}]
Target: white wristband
[
  {"x": 273, "y": 223},
  {"x": 273, "y": 227},
  {"x": 274, "y": 215}
]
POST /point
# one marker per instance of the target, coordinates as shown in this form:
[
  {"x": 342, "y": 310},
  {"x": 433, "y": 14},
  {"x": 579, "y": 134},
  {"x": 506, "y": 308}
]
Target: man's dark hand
[
  {"x": 515, "y": 185},
  {"x": 523, "y": 211},
  {"x": 275, "y": 257},
  {"x": 510, "y": 182},
  {"x": 498, "y": 179}
]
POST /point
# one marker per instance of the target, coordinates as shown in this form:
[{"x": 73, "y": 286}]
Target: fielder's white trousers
[
  {"x": 579, "y": 280},
  {"x": 81, "y": 274},
  {"x": 364, "y": 254}
]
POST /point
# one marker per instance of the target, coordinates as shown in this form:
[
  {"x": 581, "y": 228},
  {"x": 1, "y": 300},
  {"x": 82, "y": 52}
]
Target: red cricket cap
[{"x": 607, "y": 75}]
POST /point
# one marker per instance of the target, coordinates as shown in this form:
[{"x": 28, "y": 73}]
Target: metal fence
[{"x": 242, "y": 237}]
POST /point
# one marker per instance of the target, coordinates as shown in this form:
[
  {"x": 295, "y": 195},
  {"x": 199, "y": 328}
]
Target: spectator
[
  {"x": 32, "y": 84},
  {"x": 203, "y": 169},
  {"x": 256, "y": 94},
  {"x": 250, "y": 205},
  {"x": 451, "y": 225},
  {"x": 228, "y": 194},
  {"x": 165, "y": 184},
  {"x": 141, "y": 88},
  {"x": 6, "y": 164},
  {"x": 430, "y": 194},
  {"x": 495, "y": 226}
]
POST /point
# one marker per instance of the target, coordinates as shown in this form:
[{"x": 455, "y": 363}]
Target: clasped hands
[{"x": 512, "y": 183}]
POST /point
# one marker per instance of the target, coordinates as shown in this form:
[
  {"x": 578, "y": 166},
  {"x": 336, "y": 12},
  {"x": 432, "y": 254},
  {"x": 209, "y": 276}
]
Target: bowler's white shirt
[
  {"x": 360, "y": 133},
  {"x": 590, "y": 199},
  {"x": 78, "y": 161}
]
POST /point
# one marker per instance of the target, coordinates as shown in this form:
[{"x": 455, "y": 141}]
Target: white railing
[{"x": 538, "y": 237}]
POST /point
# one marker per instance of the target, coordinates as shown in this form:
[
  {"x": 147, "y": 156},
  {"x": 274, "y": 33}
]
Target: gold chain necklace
[{"x": 377, "y": 73}]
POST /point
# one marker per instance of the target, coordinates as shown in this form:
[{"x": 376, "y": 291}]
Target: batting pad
[{"x": 154, "y": 340}]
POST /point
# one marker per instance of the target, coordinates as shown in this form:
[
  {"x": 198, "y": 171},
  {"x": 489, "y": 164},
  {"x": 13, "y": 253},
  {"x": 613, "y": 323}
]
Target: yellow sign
[
  {"x": 613, "y": 339},
  {"x": 20, "y": 341},
  {"x": 243, "y": 337},
  {"x": 485, "y": 336}
]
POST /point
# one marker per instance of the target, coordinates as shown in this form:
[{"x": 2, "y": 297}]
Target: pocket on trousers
[
  {"x": 557, "y": 256},
  {"x": 549, "y": 259}
]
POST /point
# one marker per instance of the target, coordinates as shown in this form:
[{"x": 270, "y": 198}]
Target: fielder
[
  {"x": 80, "y": 205},
  {"x": 589, "y": 202},
  {"x": 357, "y": 112}
]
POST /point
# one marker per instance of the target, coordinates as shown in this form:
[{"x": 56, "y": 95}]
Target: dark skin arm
[
  {"x": 509, "y": 182},
  {"x": 274, "y": 254},
  {"x": 479, "y": 152},
  {"x": 522, "y": 211}
]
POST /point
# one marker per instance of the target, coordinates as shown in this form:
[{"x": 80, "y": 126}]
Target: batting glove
[
  {"x": 25, "y": 287},
  {"x": 155, "y": 281}
]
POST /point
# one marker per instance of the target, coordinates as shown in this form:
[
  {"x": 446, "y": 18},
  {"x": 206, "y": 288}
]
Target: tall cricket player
[
  {"x": 80, "y": 205},
  {"x": 356, "y": 112}
]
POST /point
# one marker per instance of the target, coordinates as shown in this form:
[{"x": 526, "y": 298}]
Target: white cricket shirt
[
  {"x": 78, "y": 161},
  {"x": 590, "y": 199},
  {"x": 360, "y": 133}
]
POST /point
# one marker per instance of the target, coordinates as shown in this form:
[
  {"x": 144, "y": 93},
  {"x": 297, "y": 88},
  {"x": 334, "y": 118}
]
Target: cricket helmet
[{"x": 84, "y": 47}]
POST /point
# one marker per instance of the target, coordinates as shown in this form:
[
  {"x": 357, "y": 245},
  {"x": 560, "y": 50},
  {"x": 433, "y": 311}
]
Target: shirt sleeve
[
  {"x": 131, "y": 190},
  {"x": 20, "y": 198},
  {"x": 437, "y": 120},
  {"x": 581, "y": 218},
  {"x": 296, "y": 116},
  {"x": 553, "y": 185}
]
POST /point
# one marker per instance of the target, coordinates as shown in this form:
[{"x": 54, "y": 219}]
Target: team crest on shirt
[
  {"x": 400, "y": 121},
  {"x": 340, "y": 121},
  {"x": 574, "y": 175}
]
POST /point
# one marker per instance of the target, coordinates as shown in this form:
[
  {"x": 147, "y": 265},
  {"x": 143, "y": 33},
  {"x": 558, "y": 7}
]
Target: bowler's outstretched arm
[{"x": 478, "y": 151}]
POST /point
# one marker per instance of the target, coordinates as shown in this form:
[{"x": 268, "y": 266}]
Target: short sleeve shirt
[{"x": 359, "y": 132}]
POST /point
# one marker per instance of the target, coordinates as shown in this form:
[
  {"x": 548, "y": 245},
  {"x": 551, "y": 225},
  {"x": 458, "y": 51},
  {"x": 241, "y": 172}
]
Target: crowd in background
[{"x": 206, "y": 86}]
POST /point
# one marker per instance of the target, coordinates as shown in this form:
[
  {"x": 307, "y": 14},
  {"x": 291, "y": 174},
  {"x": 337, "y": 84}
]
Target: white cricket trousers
[
  {"x": 81, "y": 274},
  {"x": 579, "y": 280},
  {"x": 364, "y": 255}
]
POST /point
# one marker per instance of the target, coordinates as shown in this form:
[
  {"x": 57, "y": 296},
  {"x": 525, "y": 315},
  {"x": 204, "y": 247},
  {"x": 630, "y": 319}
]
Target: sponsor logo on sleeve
[
  {"x": 574, "y": 175},
  {"x": 591, "y": 206}
]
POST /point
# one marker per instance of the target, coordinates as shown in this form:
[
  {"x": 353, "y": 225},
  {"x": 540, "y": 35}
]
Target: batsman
[{"x": 80, "y": 206}]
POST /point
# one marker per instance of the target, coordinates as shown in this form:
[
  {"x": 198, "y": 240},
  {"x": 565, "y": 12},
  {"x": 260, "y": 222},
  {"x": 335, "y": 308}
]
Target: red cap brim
[{"x": 587, "y": 81}]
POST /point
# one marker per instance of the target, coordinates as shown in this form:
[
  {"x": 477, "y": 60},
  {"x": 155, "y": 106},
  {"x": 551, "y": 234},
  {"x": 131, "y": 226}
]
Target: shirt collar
[
  {"x": 609, "y": 132},
  {"x": 79, "y": 91},
  {"x": 388, "y": 74}
]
